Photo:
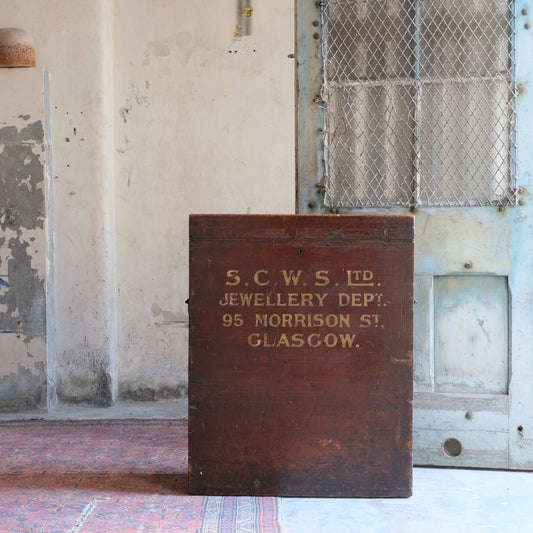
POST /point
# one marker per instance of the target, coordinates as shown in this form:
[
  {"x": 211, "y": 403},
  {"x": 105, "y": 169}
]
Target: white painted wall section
[
  {"x": 204, "y": 124},
  {"x": 158, "y": 109}
]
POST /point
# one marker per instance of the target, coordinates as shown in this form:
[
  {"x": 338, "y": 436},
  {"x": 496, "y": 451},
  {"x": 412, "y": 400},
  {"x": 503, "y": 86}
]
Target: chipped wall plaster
[
  {"x": 23, "y": 376},
  {"x": 156, "y": 110}
]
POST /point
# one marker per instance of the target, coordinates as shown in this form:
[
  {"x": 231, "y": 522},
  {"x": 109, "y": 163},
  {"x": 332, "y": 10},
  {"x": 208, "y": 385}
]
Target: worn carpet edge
[
  {"x": 182, "y": 422},
  {"x": 222, "y": 514}
]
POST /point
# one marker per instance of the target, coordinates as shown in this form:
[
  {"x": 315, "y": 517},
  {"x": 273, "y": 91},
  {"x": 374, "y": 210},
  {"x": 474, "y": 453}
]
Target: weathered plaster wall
[
  {"x": 204, "y": 123},
  {"x": 73, "y": 41},
  {"x": 158, "y": 109},
  {"x": 23, "y": 377}
]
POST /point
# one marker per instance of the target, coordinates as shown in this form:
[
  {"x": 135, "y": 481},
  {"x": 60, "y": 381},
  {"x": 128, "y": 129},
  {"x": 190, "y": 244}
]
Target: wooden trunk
[{"x": 301, "y": 359}]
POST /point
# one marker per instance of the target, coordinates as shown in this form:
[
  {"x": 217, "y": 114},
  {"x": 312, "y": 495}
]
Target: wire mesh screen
[{"x": 418, "y": 102}]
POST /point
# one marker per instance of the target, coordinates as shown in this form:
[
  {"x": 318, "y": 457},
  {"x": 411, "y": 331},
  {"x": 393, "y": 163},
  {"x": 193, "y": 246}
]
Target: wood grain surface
[{"x": 300, "y": 358}]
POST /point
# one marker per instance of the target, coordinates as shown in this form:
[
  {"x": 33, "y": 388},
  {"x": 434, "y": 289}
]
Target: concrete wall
[
  {"x": 23, "y": 154},
  {"x": 157, "y": 109}
]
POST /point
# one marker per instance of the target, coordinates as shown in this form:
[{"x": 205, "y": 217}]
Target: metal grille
[{"x": 418, "y": 102}]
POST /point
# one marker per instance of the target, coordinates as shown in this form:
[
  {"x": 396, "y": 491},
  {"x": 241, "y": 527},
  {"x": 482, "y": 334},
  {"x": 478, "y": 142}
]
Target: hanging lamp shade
[{"x": 16, "y": 48}]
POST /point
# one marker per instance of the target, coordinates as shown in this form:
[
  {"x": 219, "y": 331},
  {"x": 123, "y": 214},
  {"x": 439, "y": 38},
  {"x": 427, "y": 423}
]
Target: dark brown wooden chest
[{"x": 300, "y": 358}]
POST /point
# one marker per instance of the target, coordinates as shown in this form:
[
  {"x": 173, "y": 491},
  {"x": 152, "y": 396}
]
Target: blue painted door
[{"x": 473, "y": 346}]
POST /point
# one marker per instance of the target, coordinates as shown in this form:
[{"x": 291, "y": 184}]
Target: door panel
[
  {"x": 461, "y": 370},
  {"x": 461, "y": 340},
  {"x": 451, "y": 240},
  {"x": 478, "y": 422},
  {"x": 484, "y": 412},
  {"x": 471, "y": 340},
  {"x": 477, "y": 448}
]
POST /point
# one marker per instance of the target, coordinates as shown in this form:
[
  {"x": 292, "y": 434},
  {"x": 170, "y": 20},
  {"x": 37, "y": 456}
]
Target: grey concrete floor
[
  {"x": 443, "y": 501},
  {"x": 160, "y": 409}
]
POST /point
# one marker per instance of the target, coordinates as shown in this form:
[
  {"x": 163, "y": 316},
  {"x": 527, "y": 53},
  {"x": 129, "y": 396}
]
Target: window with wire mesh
[{"x": 418, "y": 100}]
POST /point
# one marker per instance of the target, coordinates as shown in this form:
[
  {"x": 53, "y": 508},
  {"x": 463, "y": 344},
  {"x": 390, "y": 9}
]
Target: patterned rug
[{"x": 112, "y": 476}]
